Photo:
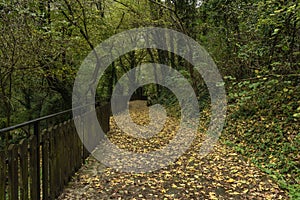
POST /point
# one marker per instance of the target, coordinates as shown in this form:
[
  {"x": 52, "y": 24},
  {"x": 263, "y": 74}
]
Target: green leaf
[
  {"x": 296, "y": 115},
  {"x": 276, "y": 31}
]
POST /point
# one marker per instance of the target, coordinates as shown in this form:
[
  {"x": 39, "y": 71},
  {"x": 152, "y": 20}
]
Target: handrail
[
  {"x": 34, "y": 121},
  {"x": 37, "y": 133}
]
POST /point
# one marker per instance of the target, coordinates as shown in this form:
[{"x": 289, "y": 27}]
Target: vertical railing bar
[{"x": 37, "y": 134}]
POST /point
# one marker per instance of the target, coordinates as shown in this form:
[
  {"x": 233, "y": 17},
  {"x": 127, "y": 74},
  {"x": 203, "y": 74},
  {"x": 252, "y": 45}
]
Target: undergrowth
[{"x": 263, "y": 125}]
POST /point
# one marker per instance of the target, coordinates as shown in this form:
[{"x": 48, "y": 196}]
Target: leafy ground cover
[
  {"x": 263, "y": 125},
  {"x": 223, "y": 174}
]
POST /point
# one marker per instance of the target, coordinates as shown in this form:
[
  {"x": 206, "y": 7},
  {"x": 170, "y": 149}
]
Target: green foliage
[
  {"x": 262, "y": 125},
  {"x": 244, "y": 36},
  {"x": 254, "y": 43}
]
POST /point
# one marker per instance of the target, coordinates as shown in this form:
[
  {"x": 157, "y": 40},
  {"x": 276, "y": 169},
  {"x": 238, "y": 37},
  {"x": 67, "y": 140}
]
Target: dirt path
[{"x": 222, "y": 174}]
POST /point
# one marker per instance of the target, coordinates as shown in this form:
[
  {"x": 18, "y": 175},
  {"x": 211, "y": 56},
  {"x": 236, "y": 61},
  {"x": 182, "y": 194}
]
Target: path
[{"x": 223, "y": 174}]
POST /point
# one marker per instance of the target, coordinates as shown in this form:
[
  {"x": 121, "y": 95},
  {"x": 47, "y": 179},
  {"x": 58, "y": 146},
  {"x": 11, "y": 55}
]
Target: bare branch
[
  {"x": 179, "y": 21},
  {"x": 127, "y": 6},
  {"x": 162, "y": 5}
]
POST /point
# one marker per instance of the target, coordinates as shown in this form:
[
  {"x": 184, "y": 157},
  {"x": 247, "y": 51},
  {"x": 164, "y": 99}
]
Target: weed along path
[{"x": 222, "y": 174}]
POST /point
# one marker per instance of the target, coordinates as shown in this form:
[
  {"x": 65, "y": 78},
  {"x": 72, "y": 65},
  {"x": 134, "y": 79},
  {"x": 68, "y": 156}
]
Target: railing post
[{"x": 36, "y": 132}]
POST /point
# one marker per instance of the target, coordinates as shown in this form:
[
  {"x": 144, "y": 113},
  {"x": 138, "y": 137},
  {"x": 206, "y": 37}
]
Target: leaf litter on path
[{"x": 222, "y": 174}]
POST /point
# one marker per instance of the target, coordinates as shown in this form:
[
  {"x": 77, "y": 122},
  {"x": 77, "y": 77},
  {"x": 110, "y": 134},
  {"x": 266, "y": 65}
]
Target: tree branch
[
  {"x": 127, "y": 6},
  {"x": 175, "y": 13}
]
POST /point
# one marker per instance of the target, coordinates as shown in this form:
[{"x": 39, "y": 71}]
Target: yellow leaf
[
  {"x": 234, "y": 193},
  {"x": 230, "y": 180},
  {"x": 245, "y": 191},
  {"x": 213, "y": 196}
]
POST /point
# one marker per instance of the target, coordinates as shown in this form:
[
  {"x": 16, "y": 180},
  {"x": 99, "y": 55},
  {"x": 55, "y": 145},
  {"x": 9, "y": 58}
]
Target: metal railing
[{"x": 37, "y": 134}]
